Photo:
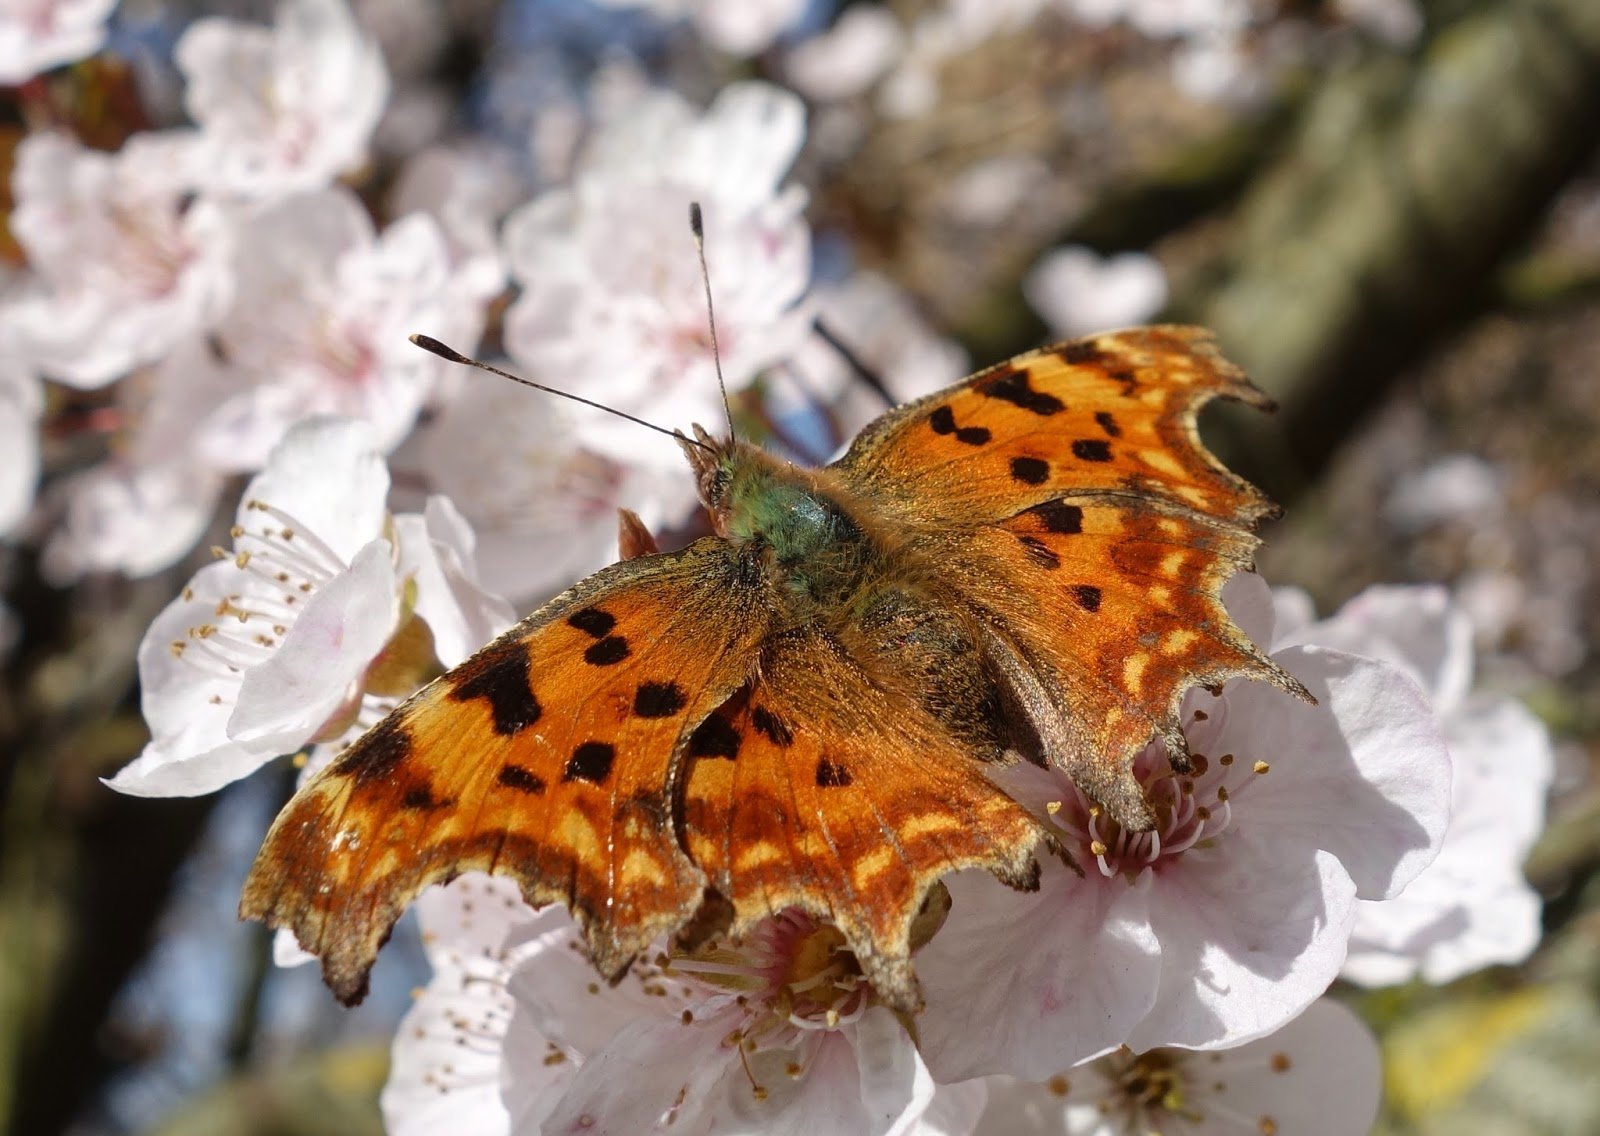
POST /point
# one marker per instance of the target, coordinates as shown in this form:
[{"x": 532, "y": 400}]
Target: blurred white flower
[
  {"x": 320, "y": 327},
  {"x": 1458, "y": 487},
  {"x": 1318, "y": 1076},
  {"x": 1164, "y": 19},
  {"x": 274, "y": 645},
  {"x": 21, "y": 400},
  {"x": 1471, "y": 907},
  {"x": 1397, "y": 23},
  {"x": 877, "y": 322},
  {"x": 150, "y": 500},
  {"x": 612, "y": 305},
  {"x": 1234, "y": 913},
  {"x": 467, "y": 191},
  {"x": 739, "y": 27},
  {"x": 282, "y": 109},
  {"x": 543, "y": 505},
  {"x": 125, "y": 262},
  {"x": 36, "y": 35},
  {"x": 1078, "y": 291},
  {"x": 858, "y": 50}
]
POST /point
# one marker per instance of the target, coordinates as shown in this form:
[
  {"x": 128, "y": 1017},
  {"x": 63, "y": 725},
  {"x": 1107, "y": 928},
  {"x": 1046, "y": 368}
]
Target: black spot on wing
[
  {"x": 943, "y": 421},
  {"x": 1013, "y": 387},
  {"x": 607, "y": 652},
  {"x": 659, "y": 700},
  {"x": 772, "y": 727},
  {"x": 1108, "y": 423},
  {"x": 1081, "y": 353},
  {"x": 831, "y": 775},
  {"x": 376, "y": 754},
  {"x": 592, "y": 621},
  {"x": 590, "y": 762},
  {"x": 420, "y": 798},
  {"x": 520, "y": 779},
  {"x": 499, "y": 675},
  {"x": 1092, "y": 449},
  {"x": 715, "y": 738},
  {"x": 1039, "y": 552},
  {"x": 1087, "y": 595},
  {"x": 1059, "y": 517},
  {"x": 1030, "y": 471}
]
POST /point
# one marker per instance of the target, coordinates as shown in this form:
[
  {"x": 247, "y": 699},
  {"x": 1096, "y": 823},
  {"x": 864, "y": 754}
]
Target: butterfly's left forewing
[{"x": 546, "y": 757}]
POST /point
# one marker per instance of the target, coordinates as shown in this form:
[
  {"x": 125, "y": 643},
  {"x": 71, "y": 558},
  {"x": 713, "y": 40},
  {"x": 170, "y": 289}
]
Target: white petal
[
  {"x": 1251, "y": 932},
  {"x": 328, "y": 475},
  {"x": 1364, "y": 773},
  {"x": 286, "y": 700},
  {"x": 1032, "y": 983}
]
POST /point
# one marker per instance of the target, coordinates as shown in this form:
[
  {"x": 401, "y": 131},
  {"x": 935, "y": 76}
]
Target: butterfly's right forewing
[{"x": 546, "y": 757}]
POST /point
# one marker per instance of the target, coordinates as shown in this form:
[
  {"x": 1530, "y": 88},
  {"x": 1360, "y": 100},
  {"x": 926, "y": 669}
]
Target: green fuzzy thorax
[{"x": 813, "y": 541}]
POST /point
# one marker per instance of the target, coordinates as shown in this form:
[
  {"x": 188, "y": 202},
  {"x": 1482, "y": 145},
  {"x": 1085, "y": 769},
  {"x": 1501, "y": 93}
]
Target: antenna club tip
[
  {"x": 696, "y": 221},
  {"x": 429, "y": 343}
]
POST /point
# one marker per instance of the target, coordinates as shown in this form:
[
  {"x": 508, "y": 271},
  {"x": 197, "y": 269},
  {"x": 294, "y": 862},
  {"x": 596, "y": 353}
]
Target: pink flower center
[
  {"x": 1192, "y": 809},
  {"x": 790, "y": 978}
]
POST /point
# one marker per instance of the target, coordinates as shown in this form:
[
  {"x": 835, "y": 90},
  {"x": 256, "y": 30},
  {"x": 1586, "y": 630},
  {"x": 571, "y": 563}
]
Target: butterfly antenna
[
  {"x": 429, "y": 343},
  {"x": 698, "y": 227}
]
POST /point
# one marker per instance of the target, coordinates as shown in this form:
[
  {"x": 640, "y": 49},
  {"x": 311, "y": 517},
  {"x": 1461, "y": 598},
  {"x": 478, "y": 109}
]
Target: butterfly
[{"x": 810, "y": 707}]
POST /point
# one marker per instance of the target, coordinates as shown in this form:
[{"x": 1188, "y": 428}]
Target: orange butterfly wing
[
  {"x": 546, "y": 757},
  {"x": 1066, "y": 494},
  {"x": 818, "y": 789}
]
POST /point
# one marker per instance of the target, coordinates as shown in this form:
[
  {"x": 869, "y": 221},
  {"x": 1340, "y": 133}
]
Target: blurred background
[{"x": 1389, "y": 211}]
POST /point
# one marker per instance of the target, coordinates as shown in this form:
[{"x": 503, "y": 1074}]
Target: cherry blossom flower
[
  {"x": 1077, "y": 291},
  {"x": 1319, "y": 1075},
  {"x": 451, "y": 1051},
  {"x": 36, "y": 35},
  {"x": 1471, "y": 907},
  {"x": 612, "y": 305},
  {"x": 282, "y": 109},
  {"x": 777, "y": 1034},
  {"x": 321, "y": 322},
  {"x": 1230, "y": 917},
  {"x": 296, "y": 636},
  {"x": 739, "y": 27},
  {"x": 860, "y": 47},
  {"x": 125, "y": 263}
]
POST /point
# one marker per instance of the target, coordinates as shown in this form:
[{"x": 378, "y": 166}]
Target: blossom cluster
[{"x": 236, "y": 295}]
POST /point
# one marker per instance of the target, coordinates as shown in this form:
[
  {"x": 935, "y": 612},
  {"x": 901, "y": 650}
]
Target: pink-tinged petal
[
  {"x": 1030, "y": 983},
  {"x": 37, "y": 36},
  {"x": 896, "y": 1087},
  {"x": 1319, "y": 1075},
  {"x": 1293, "y": 611},
  {"x": 1250, "y": 603},
  {"x": 954, "y": 1110},
  {"x": 631, "y": 1086},
  {"x": 1471, "y": 907},
  {"x": 286, "y": 700},
  {"x": 1418, "y": 628},
  {"x": 1365, "y": 773},
  {"x": 558, "y": 992},
  {"x": 1251, "y": 931}
]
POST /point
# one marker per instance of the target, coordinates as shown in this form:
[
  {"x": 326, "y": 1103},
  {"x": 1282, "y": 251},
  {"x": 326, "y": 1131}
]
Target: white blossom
[
  {"x": 36, "y": 35},
  {"x": 1077, "y": 291}
]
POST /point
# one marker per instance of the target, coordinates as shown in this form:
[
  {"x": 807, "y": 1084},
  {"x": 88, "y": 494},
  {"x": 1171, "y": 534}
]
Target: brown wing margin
[{"x": 546, "y": 757}]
